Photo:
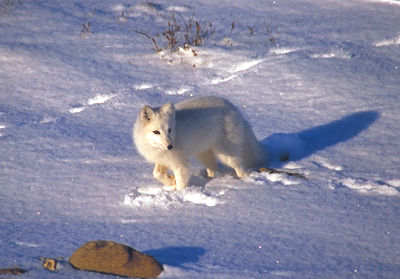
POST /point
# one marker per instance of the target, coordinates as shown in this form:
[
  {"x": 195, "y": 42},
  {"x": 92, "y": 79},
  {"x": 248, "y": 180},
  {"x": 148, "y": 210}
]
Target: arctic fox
[{"x": 210, "y": 129}]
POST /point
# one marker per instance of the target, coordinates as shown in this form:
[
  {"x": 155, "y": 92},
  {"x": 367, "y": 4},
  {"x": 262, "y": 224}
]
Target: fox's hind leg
[
  {"x": 160, "y": 172},
  {"x": 234, "y": 162},
  {"x": 207, "y": 158},
  {"x": 231, "y": 155}
]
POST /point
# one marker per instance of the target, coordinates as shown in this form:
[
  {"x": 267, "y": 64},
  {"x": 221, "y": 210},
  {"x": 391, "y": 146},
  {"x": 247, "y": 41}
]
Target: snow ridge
[
  {"x": 98, "y": 99},
  {"x": 158, "y": 197}
]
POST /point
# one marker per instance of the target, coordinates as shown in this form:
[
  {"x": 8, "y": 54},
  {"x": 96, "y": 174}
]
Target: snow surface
[{"x": 319, "y": 81}]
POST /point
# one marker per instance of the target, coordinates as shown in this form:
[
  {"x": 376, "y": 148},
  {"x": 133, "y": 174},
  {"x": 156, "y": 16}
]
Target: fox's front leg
[
  {"x": 160, "y": 172},
  {"x": 182, "y": 176}
]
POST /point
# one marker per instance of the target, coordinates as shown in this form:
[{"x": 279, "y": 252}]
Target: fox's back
[{"x": 201, "y": 122}]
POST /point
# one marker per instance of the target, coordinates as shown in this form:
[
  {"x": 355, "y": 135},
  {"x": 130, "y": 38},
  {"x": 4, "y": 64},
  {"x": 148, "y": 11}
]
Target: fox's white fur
[{"x": 207, "y": 128}]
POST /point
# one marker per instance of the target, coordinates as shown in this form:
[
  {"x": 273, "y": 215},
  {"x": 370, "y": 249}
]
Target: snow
[
  {"x": 319, "y": 82},
  {"x": 159, "y": 197}
]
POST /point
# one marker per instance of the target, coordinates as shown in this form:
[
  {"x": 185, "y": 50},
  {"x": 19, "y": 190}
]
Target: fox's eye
[
  {"x": 156, "y": 132},
  {"x": 169, "y": 131}
]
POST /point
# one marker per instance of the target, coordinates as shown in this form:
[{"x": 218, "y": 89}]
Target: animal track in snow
[
  {"x": 292, "y": 166},
  {"x": 389, "y": 42},
  {"x": 98, "y": 99},
  {"x": 326, "y": 164},
  {"x": 262, "y": 178},
  {"x": 281, "y": 178},
  {"x": 386, "y": 188},
  {"x": 361, "y": 185}
]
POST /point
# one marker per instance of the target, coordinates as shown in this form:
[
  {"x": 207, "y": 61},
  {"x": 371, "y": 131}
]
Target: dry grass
[
  {"x": 179, "y": 32},
  {"x": 7, "y": 5}
]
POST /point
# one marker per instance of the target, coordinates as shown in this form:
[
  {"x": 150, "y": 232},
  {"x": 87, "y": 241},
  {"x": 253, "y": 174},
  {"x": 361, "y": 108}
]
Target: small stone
[
  {"x": 50, "y": 264},
  {"x": 114, "y": 258}
]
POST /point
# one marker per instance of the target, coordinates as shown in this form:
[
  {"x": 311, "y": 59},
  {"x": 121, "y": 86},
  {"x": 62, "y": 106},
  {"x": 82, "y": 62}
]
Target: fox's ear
[
  {"x": 146, "y": 114},
  {"x": 168, "y": 109}
]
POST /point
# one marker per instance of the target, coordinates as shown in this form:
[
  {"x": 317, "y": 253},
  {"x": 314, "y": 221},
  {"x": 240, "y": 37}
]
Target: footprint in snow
[
  {"x": 275, "y": 177},
  {"x": 323, "y": 162},
  {"x": 363, "y": 186},
  {"x": 281, "y": 178},
  {"x": 98, "y": 99}
]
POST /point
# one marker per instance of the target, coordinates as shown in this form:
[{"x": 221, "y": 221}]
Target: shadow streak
[
  {"x": 296, "y": 146},
  {"x": 177, "y": 256}
]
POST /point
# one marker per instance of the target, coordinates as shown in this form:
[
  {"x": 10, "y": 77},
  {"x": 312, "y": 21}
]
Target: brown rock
[{"x": 114, "y": 258}]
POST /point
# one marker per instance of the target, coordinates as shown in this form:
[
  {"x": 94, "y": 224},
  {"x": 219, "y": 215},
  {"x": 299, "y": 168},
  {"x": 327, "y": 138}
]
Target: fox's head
[{"x": 158, "y": 126}]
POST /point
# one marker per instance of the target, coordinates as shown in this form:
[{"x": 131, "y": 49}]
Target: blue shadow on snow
[
  {"x": 177, "y": 256},
  {"x": 296, "y": 146}
]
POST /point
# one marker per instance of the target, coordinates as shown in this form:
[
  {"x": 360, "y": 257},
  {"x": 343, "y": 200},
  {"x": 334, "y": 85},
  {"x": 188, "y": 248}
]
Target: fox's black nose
[{"x": 170, "y": 147}]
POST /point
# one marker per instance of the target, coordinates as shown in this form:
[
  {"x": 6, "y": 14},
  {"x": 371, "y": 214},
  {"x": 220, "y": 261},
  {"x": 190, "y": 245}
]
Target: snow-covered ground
[{"x": 319, "y": 81}]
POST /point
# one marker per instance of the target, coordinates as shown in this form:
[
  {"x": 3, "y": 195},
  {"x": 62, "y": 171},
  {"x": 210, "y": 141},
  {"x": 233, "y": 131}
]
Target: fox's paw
[
  {"x": 180, "y": 187},
  {"x": 171, "y": 180},
  {"x": 169, "y": 188},
  {"x": 210, "y": 173},
  {"x": 240, "y": 173}
]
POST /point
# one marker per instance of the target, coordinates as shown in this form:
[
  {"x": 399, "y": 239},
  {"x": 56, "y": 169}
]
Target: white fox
[{"x": 207, "y": 128}]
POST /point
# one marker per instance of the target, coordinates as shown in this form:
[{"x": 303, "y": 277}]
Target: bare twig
[
  {"x": 295, "y": 174},
  {"x": 85, "y": 29},
  {"x": 252, "y": 29},
  {"x": 171, "y": 34},
  {"x": 12, "y": 270},
  {"x": 5, "y": 5},
  {"x": 141, "y": 32}
]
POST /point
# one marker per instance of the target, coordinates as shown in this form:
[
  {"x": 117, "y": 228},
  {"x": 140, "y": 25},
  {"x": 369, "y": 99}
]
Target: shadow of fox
[{"x": 296, "y": 146}]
